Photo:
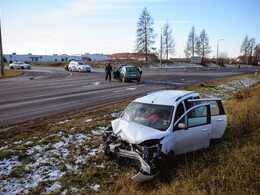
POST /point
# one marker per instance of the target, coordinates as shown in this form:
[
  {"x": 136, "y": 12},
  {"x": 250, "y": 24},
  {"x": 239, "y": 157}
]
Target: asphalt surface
[{"x": 44, "y": 91}]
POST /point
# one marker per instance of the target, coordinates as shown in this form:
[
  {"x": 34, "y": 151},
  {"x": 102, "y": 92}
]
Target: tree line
[
  {"x": 145, "y": 38},
  {"x": 250, "y": 51},
  {"x": 196, "y": 44}
]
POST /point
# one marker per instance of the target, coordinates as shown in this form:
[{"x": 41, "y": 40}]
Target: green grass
[
  {"x": 229, "y": 166},
  {"x": 11, "y": 73}
]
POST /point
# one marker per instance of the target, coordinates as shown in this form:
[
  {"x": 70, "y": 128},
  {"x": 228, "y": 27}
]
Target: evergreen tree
[
  {"x": 145, "y": 34},
  {"x": 168, "y": 41}
]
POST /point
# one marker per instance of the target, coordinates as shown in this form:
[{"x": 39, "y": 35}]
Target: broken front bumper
[{"x": 145, "y": 172}]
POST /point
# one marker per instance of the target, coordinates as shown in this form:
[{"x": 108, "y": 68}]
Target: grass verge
[
  {"x": 11, "y": 73},
  {"x": 95, "y": 64},
  {"x": 65, "y": 154}
]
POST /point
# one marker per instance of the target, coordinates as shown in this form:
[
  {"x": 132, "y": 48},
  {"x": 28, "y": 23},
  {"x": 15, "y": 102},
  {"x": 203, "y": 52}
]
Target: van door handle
[
  {"x": 204, "y": 130},
  {"x": 218, "y": 120}
]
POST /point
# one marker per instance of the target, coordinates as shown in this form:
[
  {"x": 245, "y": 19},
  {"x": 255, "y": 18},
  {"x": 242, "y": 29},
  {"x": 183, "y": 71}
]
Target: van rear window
[{"x": 131, "y": 69}]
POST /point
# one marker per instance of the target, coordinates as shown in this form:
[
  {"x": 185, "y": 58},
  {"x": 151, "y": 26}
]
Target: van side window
[{"x": 179, "y": 112}]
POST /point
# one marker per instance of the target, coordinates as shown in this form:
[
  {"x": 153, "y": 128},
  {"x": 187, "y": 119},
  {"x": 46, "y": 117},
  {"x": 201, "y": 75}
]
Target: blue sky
[{"x": 109, "y": 26}]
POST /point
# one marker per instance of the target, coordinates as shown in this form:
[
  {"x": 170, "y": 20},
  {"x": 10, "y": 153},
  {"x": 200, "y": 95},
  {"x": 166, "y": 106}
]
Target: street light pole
[
  {"x": 1, "y": 53},
  {"x": 217, "y": 49},
  {"x": 161, "y": 50}
]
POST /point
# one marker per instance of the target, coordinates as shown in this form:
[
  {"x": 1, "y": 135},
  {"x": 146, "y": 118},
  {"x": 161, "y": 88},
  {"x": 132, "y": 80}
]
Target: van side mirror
[{"x": 182, "y": 126}]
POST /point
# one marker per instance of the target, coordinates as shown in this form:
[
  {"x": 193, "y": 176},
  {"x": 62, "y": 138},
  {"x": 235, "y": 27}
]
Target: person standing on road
[
  {"x": 108, "y": 71},
  {"x": 139, "y": 69}
]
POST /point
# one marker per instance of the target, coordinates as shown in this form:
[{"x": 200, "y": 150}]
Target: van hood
[
  {"x": 135, "y": 133},
  {"x": 85, "y": 66}
]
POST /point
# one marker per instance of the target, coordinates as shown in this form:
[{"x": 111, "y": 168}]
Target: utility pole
[
  {"x": 217, "y": 49},
  {"x": 1, "y": 53},
  {"x": 161, "y": 50}
]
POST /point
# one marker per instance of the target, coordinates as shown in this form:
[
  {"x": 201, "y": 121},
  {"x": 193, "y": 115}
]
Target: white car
[
  {"x": 162, "y": 124},
  {"x": 79, "y": 66},
  {"x": 19, "y": 65}
]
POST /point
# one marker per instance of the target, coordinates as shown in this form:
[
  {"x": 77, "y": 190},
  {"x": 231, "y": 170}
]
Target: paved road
[{"x": 47, "y": 91}]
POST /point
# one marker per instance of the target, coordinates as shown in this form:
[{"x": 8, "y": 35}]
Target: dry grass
[
  {"x": 229, "y": 166},
  {"x": 95, "y": 64},
  {"x": 11, "y": 73}
]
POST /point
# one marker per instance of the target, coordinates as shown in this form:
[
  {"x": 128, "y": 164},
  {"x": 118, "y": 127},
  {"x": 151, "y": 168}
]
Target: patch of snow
[
  {"x": 88, "y": 120},
  {"x": 35, "y": 149},
  {"x": 96, "y": 83},
  {"x": 3, "y": 148},
  {"x": 96, "y": 132},
  {"x": 18, "y": 142},
  {"x": 95, "y": 187},
  {"x": 62, "y": 122},
  {"x": 81, "y": 160},
  {"x": 55, "y": 186},
  {"x": 92, "y": 152},
  {"x": 29, "y": 142}
]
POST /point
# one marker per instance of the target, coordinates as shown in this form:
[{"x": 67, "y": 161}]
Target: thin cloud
[
  {"x": 92, "y": 7},
  {"x": 174, "y": 22}
]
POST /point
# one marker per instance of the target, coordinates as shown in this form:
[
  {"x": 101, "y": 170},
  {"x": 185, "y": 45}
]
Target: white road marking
[
  {"x": 69, "y": 75},
  {"x": 127, "y": 89}
]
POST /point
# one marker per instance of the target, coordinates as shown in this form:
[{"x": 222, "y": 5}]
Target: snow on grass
[
  {"x": 177, "y": 65},
  {"x": 49, "y": 162},
  {"x": 223, "y": 91},
  {"x": 4, "y": 147},
  {"x": 95, "y": 187},
  {"x": 7, "y": 165},
  {"x": 89, "y": 120},
  {"x": 55, "y": 186},
  {"x": 61, "y": 122}
]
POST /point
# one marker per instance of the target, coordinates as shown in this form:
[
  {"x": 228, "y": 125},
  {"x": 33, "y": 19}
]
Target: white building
[{"x": 50, "y": 58}]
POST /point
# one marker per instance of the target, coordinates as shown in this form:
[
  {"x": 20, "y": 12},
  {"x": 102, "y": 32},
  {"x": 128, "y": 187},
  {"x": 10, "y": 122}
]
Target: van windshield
[
  {"x": 154, "y": 116},
  {"x": 81, "y": 63}
]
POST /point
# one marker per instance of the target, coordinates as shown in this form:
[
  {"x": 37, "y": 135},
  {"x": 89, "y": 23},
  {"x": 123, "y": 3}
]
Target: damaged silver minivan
[{"x": 164, "y": 123}]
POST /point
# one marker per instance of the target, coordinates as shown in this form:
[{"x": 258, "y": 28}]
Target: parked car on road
[
  {"x": 19, "y": 65},
  {"x": 126, "y": 73},
  {"x": 159, "y": 125},
  {"x": 78, "y": 66}
]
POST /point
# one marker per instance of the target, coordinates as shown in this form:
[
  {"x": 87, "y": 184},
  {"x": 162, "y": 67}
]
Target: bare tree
[
  {"x": 251, "y": 43},
  {"x": 168, "y": 41},
  {"x": 145, "y": 34},
  {"x": 222, "y": 58},
  {"x": 202, "y": 45},
  {"x": 256, "y": 54},
  {"x": 244, "y": 49},
  {"x": 190, "y": 45}
]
